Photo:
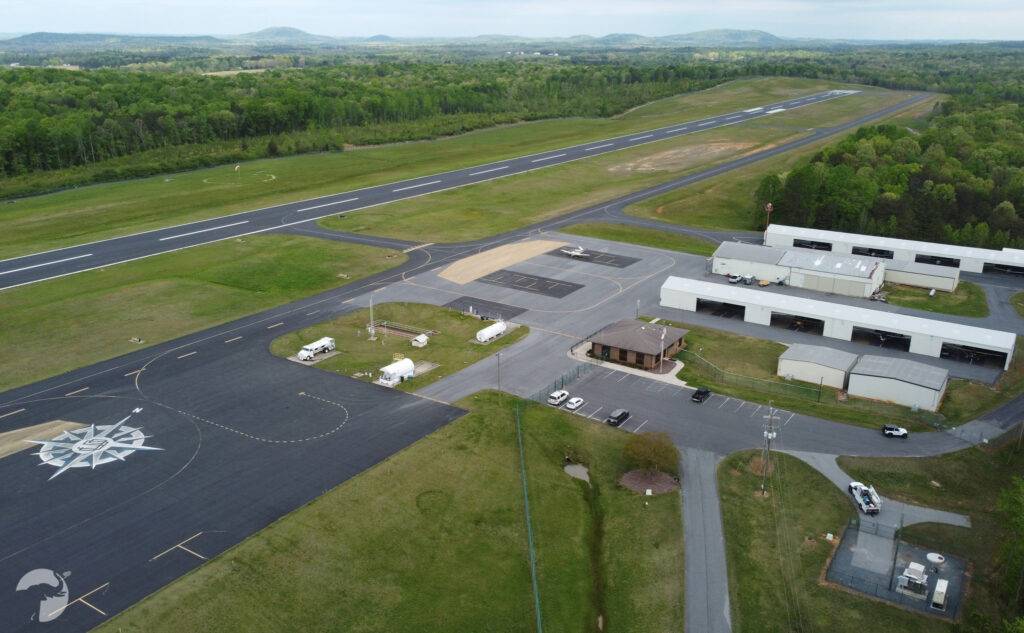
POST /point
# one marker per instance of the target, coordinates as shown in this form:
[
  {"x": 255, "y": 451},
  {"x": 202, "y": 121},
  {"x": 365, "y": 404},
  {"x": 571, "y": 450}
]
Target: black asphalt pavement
[{"x": 65, "y": 261}]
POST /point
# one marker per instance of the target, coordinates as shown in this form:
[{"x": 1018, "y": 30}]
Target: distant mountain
[
  {"x": 285, "y": 35},
  {"x": 81, "y": 41},
  {"x": 725, "y": 37}
]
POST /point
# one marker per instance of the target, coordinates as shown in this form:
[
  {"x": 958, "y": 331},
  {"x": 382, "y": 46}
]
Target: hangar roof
[
  {"x": 749, "y": 252},
  {"x": 1012, "y": 257},
  {"x": 901, "y": 369},
  {"x": 825, "y": 262},
  {"x": 862, "y": 317},
  {"x": 932, "y": 270},
  {"x": 820, "y": 355}
]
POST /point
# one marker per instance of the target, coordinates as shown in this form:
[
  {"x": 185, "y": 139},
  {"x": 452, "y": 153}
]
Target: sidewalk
[{"x": 579, "y": 352}]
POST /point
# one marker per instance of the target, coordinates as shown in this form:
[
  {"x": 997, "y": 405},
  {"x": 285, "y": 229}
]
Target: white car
[
  {"x": 891, "y": 430},
  {"x": 558, "y": 397},
  {"x": 735, "y": 279},
  {"x": 574, "y": 403},
  {"x": 865, "y": 497}
]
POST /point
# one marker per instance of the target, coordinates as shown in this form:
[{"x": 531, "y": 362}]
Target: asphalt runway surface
[
  {"x": 64, "y": 261},
  {"x": 598, "y": 257},
  {"x": 226, "y": 416}
]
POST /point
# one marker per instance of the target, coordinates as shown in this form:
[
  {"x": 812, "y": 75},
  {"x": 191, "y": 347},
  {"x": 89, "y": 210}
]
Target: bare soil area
[
  {"x": 17, "y": 440},
  {"x": 639, "y": 481},
  {"x": 476, "y": 266}
]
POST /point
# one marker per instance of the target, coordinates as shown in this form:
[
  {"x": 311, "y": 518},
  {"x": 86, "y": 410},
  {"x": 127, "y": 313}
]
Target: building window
[
  {"x": 623, "y": 355},
  {"x": 640, "y": 359}
]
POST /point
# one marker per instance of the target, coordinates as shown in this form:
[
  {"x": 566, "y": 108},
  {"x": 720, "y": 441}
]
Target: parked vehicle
[
  {"x": 865, "y": 497},
  {"x": 748, "y": 279},
  {"x": 617, "y": 417},
  {"x": 574, "y": 403},
  {"x": 702, "y": 394},
  {"x": 939, "y": 595},
  {"x": 735, "y": 279},
  {"x": 891, "y": 430},
  {"x": 558, "y": 397},
  {"x": 320, "y": 346}
]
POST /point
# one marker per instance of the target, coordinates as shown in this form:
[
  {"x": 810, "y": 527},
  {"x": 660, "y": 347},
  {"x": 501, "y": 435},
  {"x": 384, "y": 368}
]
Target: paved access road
[{"x": 65, "y": 261}]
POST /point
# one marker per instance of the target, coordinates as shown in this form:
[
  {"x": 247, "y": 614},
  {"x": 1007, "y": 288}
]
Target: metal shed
[
  {"x": 842, "y": 275},
  {"x": 909, "y": 273},
  {"x": 740, "y": 258},
  {"x": 816, "y": 364},
  {"x": 898, "y": 380}
]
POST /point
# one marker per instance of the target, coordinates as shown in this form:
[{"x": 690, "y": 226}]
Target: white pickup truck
[{"x": 865, "y": 497}]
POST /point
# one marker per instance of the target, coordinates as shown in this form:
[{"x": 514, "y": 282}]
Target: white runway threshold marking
[
  {"x": 422, "y": 184},
  {"x": 541, "y": 160},
  {"x": 326, "y": 204},
  {"x": 212, "y": 228},
  {"x": 56, "y": 261},
  {"x": 487, "y": 171}
]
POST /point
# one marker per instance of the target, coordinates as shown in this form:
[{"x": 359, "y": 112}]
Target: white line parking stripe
[
  {"x": 487, "y": 171},
  {"x": 9, "y": 413},
  {"x": 723, "y": 402},
  {"x": 739, "y": 407},
  {"x": 77, "y": 391},
  {"x": 187, "y": 355},
  {"x": 640, "y": 426},
  {"x": 590, "y": 149},
  {"x": 422, "y": 184},
  {"x": 56, "y": 261},
  {"x": 541, "y": 160},
  {"x": 326, "y": 204},
  {"x": 212, "y": 228},
  {"x": 756, "y": 410},
  {"x": 591, "y": 416},
  {"x": 790, "y": 417}
]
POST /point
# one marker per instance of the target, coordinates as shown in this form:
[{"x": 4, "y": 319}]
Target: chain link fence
[
  {"x": 563, "y": 381},
  {"x": 721, "y": 376}
]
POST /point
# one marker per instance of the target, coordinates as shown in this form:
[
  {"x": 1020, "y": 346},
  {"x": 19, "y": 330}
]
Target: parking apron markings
[{"x": 724, "y": 402}]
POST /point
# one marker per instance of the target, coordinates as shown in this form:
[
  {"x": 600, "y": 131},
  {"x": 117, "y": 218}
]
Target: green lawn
[
  {"x": 1018, "y": 303},
  {"x": 434, "y": 539},
  {"x": 453, "y": 348},
  {"x": 643, "y": 236},
  {"x": 968, "y": 482},
  {"x": 726, "y": 201},
  {"x": 756, "y": 360},
  {"x": 776, "y": 551},
  {"x": 508, "y": 203},
  {"x": 106, "y": 210},
  {"x": 75, "y": 321},
  {"x": 967, "y": 300},
  {"x": 966, "y": 400}
]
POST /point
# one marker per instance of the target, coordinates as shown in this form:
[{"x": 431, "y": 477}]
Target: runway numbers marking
[
  {"x": 187, "y": 355},
  {"x": 10, "y": 413},
  {"x": 422, "y": 184},
  {"x": 77, "y": 391},
  {"x": 181, "y": 546},
  {"x": 83, "y": 600},
  {"x": 232, "y": 340},
  {"x": 271, "y": 327}
]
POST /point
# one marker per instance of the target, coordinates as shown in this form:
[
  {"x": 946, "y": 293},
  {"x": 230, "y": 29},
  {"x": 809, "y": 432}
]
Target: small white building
[
  {"x": 898, "y": 380},
  {"x": 740, "y": 258},
  {"x": 816, "y": 364},
  {"x": 397, "y": 372},
  {"x": 909, "y": 273}
]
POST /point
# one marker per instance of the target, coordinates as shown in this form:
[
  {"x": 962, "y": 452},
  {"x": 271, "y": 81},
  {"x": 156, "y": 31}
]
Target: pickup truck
[{"x": 865, "y": 497}]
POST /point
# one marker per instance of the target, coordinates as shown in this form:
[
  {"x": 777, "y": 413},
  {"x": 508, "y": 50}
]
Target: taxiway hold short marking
[
  {"x": 541, "y": 160},
  {"x": 187, "y": 355},
  {"x": 212, "y": 228},
  {"x": 77, "y": 391},
  {"x": 232, "y": 340},
  {"x": 487, "y": 171},
  {"x": 422, "y": 184},
  {"x": 271, "y": 327},
  {"x": 10, "y": 413},
  {"x": 56, "y": 261}
]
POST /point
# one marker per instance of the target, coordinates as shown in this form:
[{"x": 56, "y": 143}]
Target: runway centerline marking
[
  {"x": 278, "y": 324},
  {"x": 56, "y": 261},
  {"x": 541, "y": 160},
  {"x": 326, "y": 204},
  {"x": 638, "y": 138},
  {"x": 678, "y": 129},
  {"x": 212, "y": 228},
  {"x": 706, "y": 123},
  {"x": 232, "y": 340},
  {"x": 83, "y": 601},
  {"x": 417, "y": 247},
  {"x": 590, "y": 149},
  {"x": 487, "y": 171},
  {"x": 10, "y": 413},
  {"x": 77, "y": 391},
  {"x": 422, "y": 184},
  {"x": 187, "y": 355}
]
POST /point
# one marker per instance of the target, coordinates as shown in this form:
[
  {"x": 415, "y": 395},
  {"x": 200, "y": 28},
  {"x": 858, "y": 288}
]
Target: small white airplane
[{"x": 576, "y": 251}]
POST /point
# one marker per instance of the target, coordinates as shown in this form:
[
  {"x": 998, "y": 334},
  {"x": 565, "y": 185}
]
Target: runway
[{"x": 28, "y": 269}]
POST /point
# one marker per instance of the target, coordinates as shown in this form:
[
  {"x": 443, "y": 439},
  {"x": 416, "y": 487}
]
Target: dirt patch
[
  {"x": 639, "y": 481},
  {"x": 577, "y": 471},
  {"x": 17, "y": 440},
  {"x": 757, "y": 466},
  {"x": 476, "y": 266},
  {"x": 681, "y": 158}
]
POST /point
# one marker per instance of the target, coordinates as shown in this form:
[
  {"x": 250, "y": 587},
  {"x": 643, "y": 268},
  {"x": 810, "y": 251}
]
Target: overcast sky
[{"x": 861, "y": 19}]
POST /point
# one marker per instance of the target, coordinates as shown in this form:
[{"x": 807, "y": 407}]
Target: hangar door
[
  {"x": 850, "y": 288},
  {"x": 819, "y": 283}
]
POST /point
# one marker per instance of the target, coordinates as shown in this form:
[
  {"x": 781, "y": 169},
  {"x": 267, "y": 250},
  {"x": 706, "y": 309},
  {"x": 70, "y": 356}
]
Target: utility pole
[
  {"x": 498, "y": 356},
  {"x": 770, "y": 433},
  {"x": 664, "y": 331},
  {"x": 638, "y": 308},
  {"x": 768, "y": 212}
]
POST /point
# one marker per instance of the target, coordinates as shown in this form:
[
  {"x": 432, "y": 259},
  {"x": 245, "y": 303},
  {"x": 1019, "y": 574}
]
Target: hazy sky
[{"x": 863, "y": 19}]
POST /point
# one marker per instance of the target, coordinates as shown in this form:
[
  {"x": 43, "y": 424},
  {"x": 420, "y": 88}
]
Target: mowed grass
[
  {"x": 434, "y": 539},
  {"x": 966, "y": 400},
  {"x": 452, "y": 349},
  {"x": 509, "y": 203},
  {"x": 755, "y": 362},
  {"x": 776, "y": 551},
  {"x": 1017, "y": 301},
  {"x": 62, "y": 324},
  {"x": 968, "y": 482},
  {"x": 106, "y": 210},
  {"x": 727, "y": 201},
  {"x": 967, "y": 300},
  {"x": 643, "y": 236}
]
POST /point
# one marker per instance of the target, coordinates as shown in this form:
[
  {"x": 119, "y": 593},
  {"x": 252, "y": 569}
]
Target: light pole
[
  {"x": 770, "y": 433},
  {"x": 768, "y": 212}
]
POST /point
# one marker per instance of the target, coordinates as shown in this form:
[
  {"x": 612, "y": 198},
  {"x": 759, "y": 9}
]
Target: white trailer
[
  {"x": 491, "y": 332},
  {"x": 319, "y": 346},
  {"x": 396, "y": 372}
]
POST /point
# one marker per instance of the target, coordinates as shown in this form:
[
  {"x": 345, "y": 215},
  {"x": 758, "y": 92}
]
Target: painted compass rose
[{"x": 93, "y": 445}]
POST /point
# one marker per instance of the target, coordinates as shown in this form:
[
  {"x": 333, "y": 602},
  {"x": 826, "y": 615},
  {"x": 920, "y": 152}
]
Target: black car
[
  {"x": 701, "y": 395},
  {"x": 617, "y": 417}
]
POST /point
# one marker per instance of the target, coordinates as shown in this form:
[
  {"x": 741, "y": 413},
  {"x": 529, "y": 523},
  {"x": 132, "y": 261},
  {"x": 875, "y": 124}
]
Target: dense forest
[{"x": 958, "y": 180}]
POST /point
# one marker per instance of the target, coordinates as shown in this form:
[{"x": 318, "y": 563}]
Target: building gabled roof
[
  {"x": 830, "y": 263},
  {"x": 820, "y": 355},
  {"x": 749, "y": 252},
  {"x": 901, "y": 369},
  {"x": 638, "y": 336}
]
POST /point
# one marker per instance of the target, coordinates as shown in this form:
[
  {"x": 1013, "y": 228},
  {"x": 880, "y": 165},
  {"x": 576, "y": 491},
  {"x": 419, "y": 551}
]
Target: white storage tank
[
  {"x": 492, "y": 331},
  {"x": 397, "y": 371}
]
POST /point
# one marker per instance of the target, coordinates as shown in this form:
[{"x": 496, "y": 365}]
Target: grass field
[
  {"x": 480, "y": 210},
  {"x": 434, "y": 539},
  {"x": 74, "y": 321},
  {"x": 776, "y": 550},
  {"x": 1018, "y": 303},
  {"x": 726, "y": 201},
  {"x": 106, "y": 210},
  {"x": 967, "y": 300},
  {"x": 967, "y": 400},
  {"x": 757, "y": 360},
  {"x": 968, "y": 482},
  {"x": 643, "y": 236},
  {"x": 453, "y": 348}
]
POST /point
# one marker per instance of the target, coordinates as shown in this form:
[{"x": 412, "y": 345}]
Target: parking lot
[{"x": 531, "y": 283}]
